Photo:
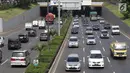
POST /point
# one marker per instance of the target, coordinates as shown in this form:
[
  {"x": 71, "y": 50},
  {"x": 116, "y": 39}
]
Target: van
[
  {"x": 42, "y": 24},
  {"x": 28, "y": 26}
]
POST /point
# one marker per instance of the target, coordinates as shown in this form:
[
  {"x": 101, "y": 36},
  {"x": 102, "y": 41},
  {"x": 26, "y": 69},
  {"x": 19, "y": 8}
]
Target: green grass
[
  {"x": 114, "y": 10},
  {"x": 10, "y": 13},
  {"x": 47, "y": 55}
]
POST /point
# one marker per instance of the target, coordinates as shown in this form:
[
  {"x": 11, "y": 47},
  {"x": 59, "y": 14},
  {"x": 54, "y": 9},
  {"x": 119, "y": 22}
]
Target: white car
[
  {"x": 20, "y": 58},
  {"x": 73, "y": 42},
  {"x": 95, "y": 59},
  {"x": 101, "y": 21},
  {"x": 115, "y": 29},
  {"x": 28, "y": 26},
  {"x": 73, "y": 62},
  {"x": 89, "y": 31},
  {"x": 91, "y": 40},
  {"x": 1, "y": 41},
  {"x": 42, "y": 24},
  {"x": 76, "y": 25},
  {"x": 104, "y": 34},
  {"x": 35, "y": 23}
]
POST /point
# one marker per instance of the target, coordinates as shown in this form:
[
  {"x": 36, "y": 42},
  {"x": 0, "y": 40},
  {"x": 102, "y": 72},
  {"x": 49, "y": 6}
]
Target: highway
[
  {"x": 111, "y": 65},
  {"x": 5, "y": 65}
]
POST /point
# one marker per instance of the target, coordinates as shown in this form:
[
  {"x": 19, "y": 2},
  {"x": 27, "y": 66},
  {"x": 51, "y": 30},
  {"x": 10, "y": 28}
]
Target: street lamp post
[{"x": 59, "y": 17}]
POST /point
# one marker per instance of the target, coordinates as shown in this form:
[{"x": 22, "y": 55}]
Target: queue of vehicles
[
  {"x": 22, "y": 57},
  {"x": 96, "y": 58}
]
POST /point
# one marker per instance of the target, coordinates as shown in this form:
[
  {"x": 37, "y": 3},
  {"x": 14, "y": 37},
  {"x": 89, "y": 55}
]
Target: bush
[{"x": 47, "y": 56}]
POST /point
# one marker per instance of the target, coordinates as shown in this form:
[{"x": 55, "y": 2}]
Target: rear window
[{"x": 18, "y": 54}]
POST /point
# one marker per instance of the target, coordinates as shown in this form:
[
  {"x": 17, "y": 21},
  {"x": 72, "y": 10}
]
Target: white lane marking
[
  {"x": 4, "y": 62},
  {"x": 111, "y": 36},
  {"x": 83, "y": 59},
  {"x": 100, "y": 42},
  {"x": 103, "y": 49},
  {"x": 83, "y": 49},
  {"x": 125, "y": 35},
  {"x": 114, "y": 72},
  {"x": 83, "y": 71},
  {"x": 108, "y": 59},
  {"x": 83, "y": 41},
  {"x": 83, "y": 37},
  {"x": 98, "y": 36}
]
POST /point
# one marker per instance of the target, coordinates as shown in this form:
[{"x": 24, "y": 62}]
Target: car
[
  {"x": 74, "y": 30},
  {"x": 96, "y": 27},
  {"x": 107, "y": 26},
  {"x": 1, "y": 56},
  {"x": 102, "y": 21},
  {"x": 28, "y": 26},
  {"x": 119, "y": 49},
  {"x": 35, "y": 23},
  {"x": 95, "y": 59},
  {"x": 20, "y": 58},
  {"x": 104, "y": 34},
  {"x": 91, "y": 40},
  {"x": 44, "y": 36},
  {"x": 98, "y": 17},
  {"x": 75, "y": 22},
  {"x": 42, "y": 24},
  {"x": 1, "y": 41},
  {"x": 73, "y": 42},
  {"x": 32, "y": 33},
  {"x": 89, "y": 30},
  {"x": 13, "y": 44},
  {"x": 76, "y": 25},
  {"x": 73, "y": 63},
  {"x": 23, "y": 38},
  {"x": 115, "y": 30}
]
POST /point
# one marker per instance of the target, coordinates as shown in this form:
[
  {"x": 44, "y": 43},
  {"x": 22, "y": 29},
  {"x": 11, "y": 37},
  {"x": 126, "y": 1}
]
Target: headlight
[{"x": 114, "y": 52}]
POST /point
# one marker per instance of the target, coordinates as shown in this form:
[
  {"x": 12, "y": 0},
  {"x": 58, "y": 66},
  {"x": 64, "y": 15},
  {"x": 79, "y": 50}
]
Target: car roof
[
  {"x": 73, "y": 37},
  {"x": 73, "y": 55},
  {"x": 20, "y": 51},
  {"x": 95, "y": 51},
  {"x": 90, "y": 36},
  {"x": 103, "y": 30},
  {"x": 115, "y": 26}
]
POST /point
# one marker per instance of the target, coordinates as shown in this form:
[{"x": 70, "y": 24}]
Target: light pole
[{"x": 59, "y": 17}]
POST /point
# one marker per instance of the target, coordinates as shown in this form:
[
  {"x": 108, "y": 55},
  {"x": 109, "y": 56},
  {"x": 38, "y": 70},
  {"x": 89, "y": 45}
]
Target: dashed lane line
[
  {"x": 108, "y": 59},
  {"x": 84, "y": 60},
  {"x": 100, "y": 42},
  {"x": 112, "y": 36},
  {"x": 83, "y": 71},
  {"x": 114, "y": 72},
  {"x": 4, "y": 62},
  {"x": 125, "y": 35},
  {"x": 103, "y": 49},
  {"x": 83, "y": 49},
  {"x": 83, "y": 41}
]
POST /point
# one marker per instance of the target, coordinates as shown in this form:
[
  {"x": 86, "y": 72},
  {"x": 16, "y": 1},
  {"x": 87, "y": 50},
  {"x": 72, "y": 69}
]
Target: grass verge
[
  {"x": 47, "y": 56},
  {"x": 115, "y": 11},
  {"x": 9, "y": 13}
]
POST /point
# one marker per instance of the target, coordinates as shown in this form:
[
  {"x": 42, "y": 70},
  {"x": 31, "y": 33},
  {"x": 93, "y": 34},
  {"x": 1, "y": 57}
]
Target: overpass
[{"x": 86, "y": 7}]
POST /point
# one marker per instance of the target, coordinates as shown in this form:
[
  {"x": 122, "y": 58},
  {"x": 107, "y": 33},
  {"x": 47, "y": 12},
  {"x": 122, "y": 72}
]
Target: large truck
[
  {"x": 50, "y": 18},
  {"x": 93, "y": 15}
]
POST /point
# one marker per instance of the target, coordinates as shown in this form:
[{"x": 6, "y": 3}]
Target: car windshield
[
  {"x": 115, "y": 28},
  {"x": 43, "y": 34},
  {"x": 89, "y": 29},
  {"x": 73, "y": 39},
  {"x": 18, "y": 54},
  {"x": 91, "y": 37},
  {"x": 104, "y": 32},
  {"x": 120, "y": 47},
  {"x": 73, "y": 59},
  {"x": 95, "y": 26},
  {"x": 95, "y": 56}
]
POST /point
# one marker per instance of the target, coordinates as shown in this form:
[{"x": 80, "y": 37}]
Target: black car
[
  {"x": 96, "y": 27},
  {"x": 23, "y": 38},
  {"x": 32, "y": 33},
  {"x": 107, "y": 26},
  {"x": 74, "y": 30},
  {"x": 44, "y": 36},
  {"x": 104, "y": 34},
  {"x": 14, "y": 44}
]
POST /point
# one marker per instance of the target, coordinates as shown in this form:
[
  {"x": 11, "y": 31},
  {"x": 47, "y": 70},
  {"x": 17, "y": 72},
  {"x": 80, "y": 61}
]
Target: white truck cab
[
  {"x": 42, "y": 24},
  {"x": 95, "y": 59},
  {"x": 115, "y": 29}
]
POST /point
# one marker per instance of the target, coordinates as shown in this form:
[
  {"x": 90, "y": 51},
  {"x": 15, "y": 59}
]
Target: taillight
[
  {"x": 22, "y": 59},
  {"x": 12, "y": 59}
]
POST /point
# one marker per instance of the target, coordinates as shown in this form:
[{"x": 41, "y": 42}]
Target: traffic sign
[
  {"x": 35, "y": 62},
  {"x": 122, "y": 7}
]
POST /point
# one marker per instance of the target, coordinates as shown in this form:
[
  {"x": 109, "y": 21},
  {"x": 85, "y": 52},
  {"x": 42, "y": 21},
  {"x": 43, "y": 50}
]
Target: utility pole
[
  {"x": 48, "y": 25},
  {"x": 59, "y": 17}
]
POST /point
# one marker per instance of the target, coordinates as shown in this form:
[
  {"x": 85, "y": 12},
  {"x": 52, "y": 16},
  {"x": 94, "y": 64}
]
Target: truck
[
  {"x": 50, "y": 18},
  {"x": 93, "y": 16},
  {"x": 118, "y": 49}
]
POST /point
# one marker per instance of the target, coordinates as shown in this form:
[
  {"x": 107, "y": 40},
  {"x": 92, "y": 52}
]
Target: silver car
[
  {"x": 89, "y": 31},
  {"x": 73, "y": 63},
  {"x": 91, "y": 40},
  {"x": 73, "y": 42}
]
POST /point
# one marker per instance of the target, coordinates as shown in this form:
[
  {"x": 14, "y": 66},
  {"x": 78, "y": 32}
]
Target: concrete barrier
[
  {"x": 110, "y": 17},
  {"x": 19, "y": 20}
]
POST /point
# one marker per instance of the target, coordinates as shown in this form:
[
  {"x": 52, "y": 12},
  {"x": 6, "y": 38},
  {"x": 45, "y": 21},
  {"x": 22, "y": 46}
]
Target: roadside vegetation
[
  {"x": 124, "y": 16},
  {"x": 11, "y": 8},
  {"x": 47, "y": 52}
]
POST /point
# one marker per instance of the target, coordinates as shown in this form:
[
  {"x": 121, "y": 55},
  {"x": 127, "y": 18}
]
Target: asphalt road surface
[
  {"x": 111, "y": 65},
  {"x": 5, "y": 65}
]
